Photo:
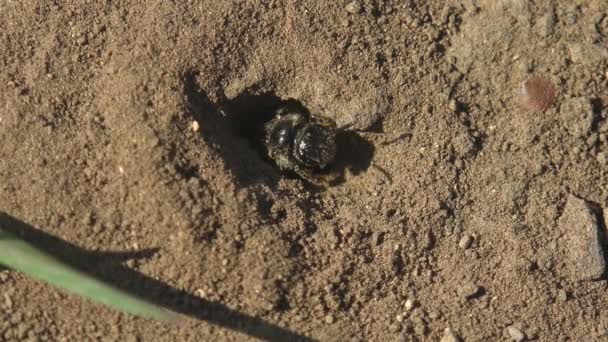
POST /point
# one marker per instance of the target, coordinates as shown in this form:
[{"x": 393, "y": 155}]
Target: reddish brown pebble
[{"x": 537, "y": 94}]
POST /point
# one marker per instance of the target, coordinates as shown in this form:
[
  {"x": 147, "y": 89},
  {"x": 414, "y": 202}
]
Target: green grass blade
[{"x": 21, "y": 256}]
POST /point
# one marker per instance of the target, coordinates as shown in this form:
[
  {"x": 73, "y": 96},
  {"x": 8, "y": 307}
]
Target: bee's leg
[
  {"x": 325, "y": 121},
  {"x": 316, "y": 180},
  {"x": 282, "y": 111},
  {"x": 306, "y": 175}
]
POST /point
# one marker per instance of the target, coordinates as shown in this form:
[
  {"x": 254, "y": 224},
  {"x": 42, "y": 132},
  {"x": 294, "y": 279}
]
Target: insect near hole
[{"x": 285, "y": 133}]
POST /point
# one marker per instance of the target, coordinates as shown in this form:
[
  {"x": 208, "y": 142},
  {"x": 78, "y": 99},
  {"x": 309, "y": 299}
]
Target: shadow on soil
[{"x": 108, "y": 267}]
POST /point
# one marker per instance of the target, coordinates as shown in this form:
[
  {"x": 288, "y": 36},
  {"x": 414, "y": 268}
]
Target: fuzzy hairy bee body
[{"x": 300, "y": 143}]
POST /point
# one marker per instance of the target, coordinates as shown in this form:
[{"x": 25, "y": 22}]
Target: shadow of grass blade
[{"x": 21, "y": 256}]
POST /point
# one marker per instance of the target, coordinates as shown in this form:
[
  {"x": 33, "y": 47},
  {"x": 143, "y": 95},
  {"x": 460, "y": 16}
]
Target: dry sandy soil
[{"x": 446, "y": 212}]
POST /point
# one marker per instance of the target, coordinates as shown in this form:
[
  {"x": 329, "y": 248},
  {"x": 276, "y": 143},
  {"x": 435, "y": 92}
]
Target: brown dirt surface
[{"x": 449, "y": 197}]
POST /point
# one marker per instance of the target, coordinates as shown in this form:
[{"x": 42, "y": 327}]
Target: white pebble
[
  {"x": 195, "y": 126},
  {"x": 409, "y": 304},
  {"x": 516, "y": 334}
]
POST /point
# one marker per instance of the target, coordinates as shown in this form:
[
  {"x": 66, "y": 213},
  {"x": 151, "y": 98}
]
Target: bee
[{"x": 301, "y": 143}]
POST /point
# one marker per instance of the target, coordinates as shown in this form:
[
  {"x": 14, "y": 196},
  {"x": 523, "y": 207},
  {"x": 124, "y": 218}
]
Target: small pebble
[
  {"x": 354, "y": 7},
  {"x": 200, "y": 293},
  {"x": 409, "y": 304},
  {"x": 601, "y": 158},
  {"x": 195, "y": 126},
  {"x": 468, "y": 291},
  {"x": 449, "y": 336},
  {"x": 329, "y": 319},
  {"x": 465, "y": 242},
  {"x": 8, "y": 302},
  {"x": 453, "y": 105},
  {"x": 515, "y": 333},
  {"x": 562, "y": 296}
]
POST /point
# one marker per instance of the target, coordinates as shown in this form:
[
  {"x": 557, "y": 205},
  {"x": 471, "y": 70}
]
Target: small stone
[
  {"x": 8, "y": 302},
  {"x": 453, "y": 105},
  {"x": 601, "y": 158},
  {"x": 409, "y": 304},
  {"x": 449, "y": 336},
  {"x": 515, "y": 333},
  {"x": 468, "y": 291},
  {"x": 465, "y": 242},
  {"x": 582, "y": 242},
  {"x": 562, "y": 296},
  {"x": 354, "y": 7},
  {"x": 329, "y": 319},
  {"x": 195, "y": 126},
  {"x": 3, "y": 276}
]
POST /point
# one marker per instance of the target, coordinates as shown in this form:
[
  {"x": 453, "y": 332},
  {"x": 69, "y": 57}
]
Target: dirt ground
[{"x": 447, "y": 210}]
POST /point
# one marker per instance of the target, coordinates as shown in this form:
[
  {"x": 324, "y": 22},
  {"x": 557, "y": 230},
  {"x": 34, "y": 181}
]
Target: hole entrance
[
  {"x": 248, "y": 113},
  {"x": 235, "y": 129}
]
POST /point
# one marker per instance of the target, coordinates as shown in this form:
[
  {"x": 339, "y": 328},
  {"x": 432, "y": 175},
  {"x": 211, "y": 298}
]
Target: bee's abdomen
[{"x": 315, "y": 146}]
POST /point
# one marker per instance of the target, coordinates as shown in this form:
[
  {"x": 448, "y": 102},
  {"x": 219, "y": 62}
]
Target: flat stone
[{"x": 582, "y": 241}]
